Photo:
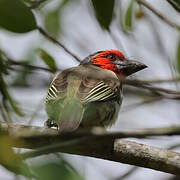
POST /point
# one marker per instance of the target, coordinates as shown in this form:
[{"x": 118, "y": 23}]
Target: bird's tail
[{"x": 71, "y": 115}]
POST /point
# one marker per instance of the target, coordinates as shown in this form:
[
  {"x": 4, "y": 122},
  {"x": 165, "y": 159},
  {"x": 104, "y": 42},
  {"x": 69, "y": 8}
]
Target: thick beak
[{"x": 129, "y": 67}]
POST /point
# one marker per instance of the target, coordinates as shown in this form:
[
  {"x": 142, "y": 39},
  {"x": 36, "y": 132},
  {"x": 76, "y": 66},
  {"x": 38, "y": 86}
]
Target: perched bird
[{"x": 90, "y": 94}]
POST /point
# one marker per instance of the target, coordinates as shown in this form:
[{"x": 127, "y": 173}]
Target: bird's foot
[{"x": 50, "y": 124}]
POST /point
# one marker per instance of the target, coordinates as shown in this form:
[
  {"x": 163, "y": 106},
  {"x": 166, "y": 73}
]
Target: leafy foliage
[
  {"x": 104, "y": 12},
  {"x": 33, "y": 4},
  {"x": 122, "y": 19},
  {"x": 9, "y": 159},
  {"x": 175, "y": 4},
  {"x": 3, "y": 64},
  {"x": 129, "y": 16},
  {"x": 53, "y": 18},
  {"x": 48, "y": 60},
  {"x": 55, "y": 169},
  {"x": 52, "y": 22},
  {"x": 4, "y": 88},
  {"x": 15, "y": 16}
]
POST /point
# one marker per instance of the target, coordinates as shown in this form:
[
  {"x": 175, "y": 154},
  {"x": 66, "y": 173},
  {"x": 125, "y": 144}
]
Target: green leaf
[
  {"x": 128, "y": 16},
  {"x": 104, "y": 12},
  {"x": 15, "y": 16},
  {"x": 175, "y": 4},
  {"x": 55, "y": 169},
  {"x": 52, "y": 22},
  {"x": 33, "y": 4},
  {"x": 53, "y": 18},
  {"x": 3, "y": 64},
  {"x": 48, "y": 60},
  {"x": 9, "y": 159},
  {"x": 121, "y": 18},
  {"x": 178, "y": 56}
]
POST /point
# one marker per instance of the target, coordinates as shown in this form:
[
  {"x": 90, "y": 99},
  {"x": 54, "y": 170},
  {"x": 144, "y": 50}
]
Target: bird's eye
[{"x": 111, "y": 56}]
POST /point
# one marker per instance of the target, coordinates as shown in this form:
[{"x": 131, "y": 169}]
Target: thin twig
[
  {"x": 45, "y": 34},
  {"x": 12, "y": 62},
  {"x": 174, "y": 146},
  {"x": 145, "y": 101},
  {"x": 4, "y": 113},
  {"x": 159, "y": 14},
  {"x": 127, "y": 174},
  {"x": 175, "y": 4},
  {"x": 153, "y": 81},
  {"x": 37, "y": 3},
  {"x": 28, "y": 66},
  {"x": 153, "y": 89}
]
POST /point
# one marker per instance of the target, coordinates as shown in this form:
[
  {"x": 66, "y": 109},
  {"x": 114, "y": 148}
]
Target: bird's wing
[
  {"x": 58, "y": 87},
  {"x": 98, "y": 85},
  {"x": 75, "y": 88},
  {"x": 100, "y": 92},
  {"x": 63, "y": 93},
  {"x": 95, "y": 85},
  {"x": 52, "y": 93}
]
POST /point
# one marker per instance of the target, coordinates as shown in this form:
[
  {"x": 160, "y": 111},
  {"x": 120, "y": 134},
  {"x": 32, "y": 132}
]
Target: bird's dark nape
[{"x": 87, "y": 59}]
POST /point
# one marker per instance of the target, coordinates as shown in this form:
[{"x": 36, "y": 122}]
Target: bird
[{"x": 90, "y": 94}]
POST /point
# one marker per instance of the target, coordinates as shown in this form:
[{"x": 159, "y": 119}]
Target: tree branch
[
  {"x": 123, "y": 151},
  {"x": 159, "y": 14},
  {"x": 154, "y": 81},
  {"x": 99, "y": 144},
  {"x": 45, "y": 34},
  {"x": 11, "y": 62},
  {"x": 28, "y": 132},
  {"x": 147, "y": 156},
  {"x": 28, "y": 66},
  {"x": 157, "y": 90}
]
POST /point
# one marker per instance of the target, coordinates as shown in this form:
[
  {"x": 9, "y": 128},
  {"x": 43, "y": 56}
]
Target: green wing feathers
[
  {"x": 62, "y": 104},
  {"x": 71, "y": 115},
  {"x": 100, "y": 92},
  {"x": 52, "y": 93},
  {"x": 74, "y": 99}
]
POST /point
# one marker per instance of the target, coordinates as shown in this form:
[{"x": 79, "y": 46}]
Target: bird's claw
[{"x": 50, "y": 124}]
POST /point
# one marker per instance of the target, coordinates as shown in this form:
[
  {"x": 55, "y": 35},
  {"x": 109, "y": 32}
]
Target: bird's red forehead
[{"x": 107, "y": 52}]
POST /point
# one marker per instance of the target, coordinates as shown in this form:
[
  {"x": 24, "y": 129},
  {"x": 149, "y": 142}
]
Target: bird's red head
[
  {"x": 115, "y": 61},
  {"x": 105, "y": 59}
]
